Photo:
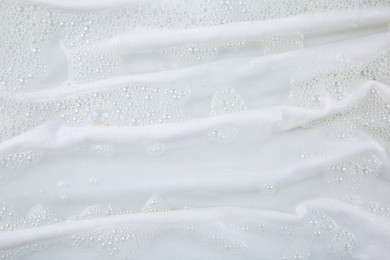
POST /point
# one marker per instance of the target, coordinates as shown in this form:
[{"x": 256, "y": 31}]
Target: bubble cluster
[
  {"x": 26, "y": 36},
  {"x": 378, "y": 209},
  {"x": 38, "y": 215},
  {"x": 371, "y": 112},
  {"x": 11, "y": 164},
  {"x": 282, "y": 43},
  {"x": 155, "y": 149},
  {"x": 10, "y": 220},
  {"x": 214, "y": 239},
  {"x": 89, "y": 66},
  {"x": 99, "y": 211},
  {"x": 296, "y": 253},
  {"x": 350, "y": 173},
  {"x": 337, "y": 84},
  {"x": 189, "y": 55},
  {"x": 113, "y": 241},
  {"x": 104, "y": 150},
  {"x": 268, "y": 189},
  {"x": 342, "y": 244},
  {"x": 155, "y": 204},
  {"x": 224, "y": 134},
  {"x": 316, "y": 228},
  {"x": 120, "y": 106},
  {"x": 226, "y": 101},
  {"x": 334, "y": 85},
  {"x": 198, "y": 53}
]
